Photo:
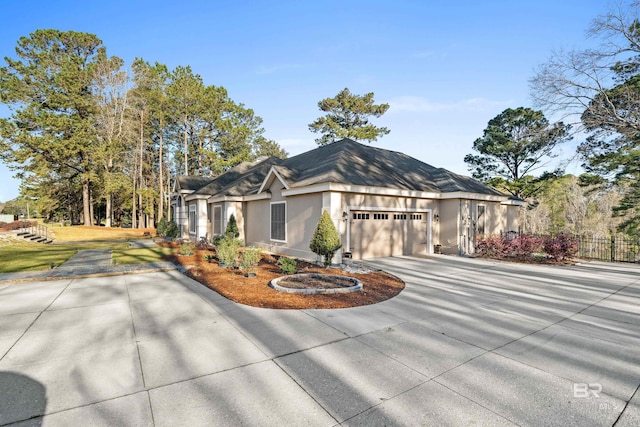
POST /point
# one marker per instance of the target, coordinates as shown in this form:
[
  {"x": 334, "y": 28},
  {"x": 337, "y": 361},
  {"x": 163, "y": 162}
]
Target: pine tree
[{"x": 348, "y": 117}]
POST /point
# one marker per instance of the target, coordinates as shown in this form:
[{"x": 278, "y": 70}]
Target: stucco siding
[
  {"x": 449, "y": 225},
  {"x": 202, "y": 219},
  {"x": 240, "y": 218},
  {"x": 302, "y": 215},
  {"x": 512, "y": 218}
]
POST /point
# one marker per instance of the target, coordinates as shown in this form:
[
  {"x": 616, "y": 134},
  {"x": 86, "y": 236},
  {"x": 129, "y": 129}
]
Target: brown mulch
[{"x": 255, "y": 291}]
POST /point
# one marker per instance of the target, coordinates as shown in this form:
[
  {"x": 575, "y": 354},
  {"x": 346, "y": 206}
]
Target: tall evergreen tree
[
  {"x": 514, "y": 144},
  {"x": 348, "y": 117},
  {"x": 48, "y": 87}
]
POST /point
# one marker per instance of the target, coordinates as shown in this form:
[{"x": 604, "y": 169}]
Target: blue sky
[{"x": 446, "y": 68}]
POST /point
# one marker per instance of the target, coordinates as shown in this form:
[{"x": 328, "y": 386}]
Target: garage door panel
[
  {"x": 416, "y": 242},
  {"x": 378, "y": 233},
  {"x": 371, "y": 234}
]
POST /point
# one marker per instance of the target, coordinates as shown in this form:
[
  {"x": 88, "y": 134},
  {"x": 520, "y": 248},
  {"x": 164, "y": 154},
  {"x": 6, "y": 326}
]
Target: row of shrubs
[
  {"x": 524, "y": 247},
  {"x": 16, "y": 225},
  {"x": 231, "y": 252}
]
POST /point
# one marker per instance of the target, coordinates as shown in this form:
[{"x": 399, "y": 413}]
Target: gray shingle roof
[
  {"x": 247, "y": 183},
  {"x": 226, "y": 183},
  {"x": 345, "y": 162},
  {"x": 349, "y": 162},
  {"x": 187, "y": 182}
]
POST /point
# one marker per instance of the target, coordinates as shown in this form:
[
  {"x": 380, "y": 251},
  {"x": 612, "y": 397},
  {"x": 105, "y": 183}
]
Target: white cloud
[{"x": 418, "y": 104}]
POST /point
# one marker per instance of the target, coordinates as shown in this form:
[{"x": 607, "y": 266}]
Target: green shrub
[
  {"x": 287, "y": 265},
  {"x": 326, "y": 240},
  {"x": 232, "y": 227},
  {"x": 250, "y": 258},
  {"x": 161, "y": 228},
  {"x": 187, "y": 248},
  {"x": 171, "y": 231},
  {"x": 227, "y": 250}
]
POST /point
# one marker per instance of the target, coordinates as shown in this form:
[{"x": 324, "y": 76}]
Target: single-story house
[{"x": 382, "y": 202}]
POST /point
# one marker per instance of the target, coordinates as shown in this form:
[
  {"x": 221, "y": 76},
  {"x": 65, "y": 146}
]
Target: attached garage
[
  {"x": 382, "y": 203},
  {"x": 375, "y": 233}
]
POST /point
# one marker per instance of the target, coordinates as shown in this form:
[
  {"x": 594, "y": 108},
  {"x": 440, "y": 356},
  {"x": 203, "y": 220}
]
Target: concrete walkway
[
  {"x": 90, "y": 263},
  {"x": 467, "y": 342}
]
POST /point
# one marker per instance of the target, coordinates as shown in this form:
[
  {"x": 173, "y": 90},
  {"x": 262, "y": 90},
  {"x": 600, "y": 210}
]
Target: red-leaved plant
[
  {"x": 523, "y": 246},
  {"x": 561, "y": 247}
]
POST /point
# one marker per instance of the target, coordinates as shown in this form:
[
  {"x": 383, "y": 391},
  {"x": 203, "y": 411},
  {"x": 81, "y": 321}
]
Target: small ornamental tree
[
  {"x": 172, "y": 230},
  {"x": 161, "y": 228},
  {"x": 232, "y": 227},
  {"x": 325, "y": 241}
]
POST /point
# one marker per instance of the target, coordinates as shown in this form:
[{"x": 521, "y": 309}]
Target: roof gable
[{"x": 244, "y": 179}]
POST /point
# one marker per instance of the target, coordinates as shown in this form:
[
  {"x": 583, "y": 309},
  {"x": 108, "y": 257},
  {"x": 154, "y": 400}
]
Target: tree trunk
[
  {"x": 168, "y": 192},
  {"x": 86, "y": 206},
  {"x": 186, "y": 150},
  {"x": 140, "y": 214},
  {"x": 134, "y": 213},
  {"x": 108, "y": 204},
  {"x": 107, "y": 220},
  {"x": 161, "y": 180},
  {"x": 91, "y": 208}
]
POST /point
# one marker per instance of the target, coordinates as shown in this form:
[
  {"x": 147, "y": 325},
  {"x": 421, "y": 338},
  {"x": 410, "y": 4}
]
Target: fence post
[{"x": 613, "y": 248}]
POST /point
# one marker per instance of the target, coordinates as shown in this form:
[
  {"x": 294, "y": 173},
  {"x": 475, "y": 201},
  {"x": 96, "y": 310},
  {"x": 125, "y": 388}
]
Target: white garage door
[{"x": 378, "y": 233}]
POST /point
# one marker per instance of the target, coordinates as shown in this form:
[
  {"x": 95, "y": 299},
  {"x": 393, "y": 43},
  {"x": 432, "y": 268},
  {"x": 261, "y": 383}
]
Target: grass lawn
[
  {"x": 140, "y": 255},
  {"x": 82, "y": 233},
  {"x": 34, "y": 256}
]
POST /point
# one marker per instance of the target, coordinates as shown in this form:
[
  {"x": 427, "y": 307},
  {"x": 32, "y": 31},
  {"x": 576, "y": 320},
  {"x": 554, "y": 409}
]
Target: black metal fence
[{"x": 614, "y": 249}]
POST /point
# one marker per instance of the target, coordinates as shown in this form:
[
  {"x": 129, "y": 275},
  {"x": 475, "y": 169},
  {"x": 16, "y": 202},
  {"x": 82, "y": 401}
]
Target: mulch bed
[{"x": 255, "y": 291}]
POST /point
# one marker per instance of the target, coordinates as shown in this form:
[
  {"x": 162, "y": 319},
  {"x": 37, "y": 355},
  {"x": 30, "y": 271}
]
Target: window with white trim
[
  {"x": 481, "y": 219},
  {"x": 192, "y": 218},
  {"x": 278, "y": 221},
  {"x": 217, "y": 220}
]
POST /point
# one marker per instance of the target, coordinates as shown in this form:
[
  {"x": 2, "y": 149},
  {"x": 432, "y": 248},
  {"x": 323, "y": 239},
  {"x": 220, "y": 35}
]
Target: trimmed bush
[
  {"x": 561, "y": 247},
  {"x": 232, "y": 227},
  {"x": 227, "y": 250},
  {"x": 171, "y": 231},
  {"x": 325, "y": 241},
  {"x": 250, "y": 258},
  {"x": 523, "y": 246},
  {"x": 492, "y": 247},
  {"x": 287, "y": 265},
  {"x": 187, "y": 248},
  {"x": 161, "y": 228}
]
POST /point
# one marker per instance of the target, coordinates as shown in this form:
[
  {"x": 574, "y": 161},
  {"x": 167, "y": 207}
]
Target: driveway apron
[{"x": 468, "y": 342}]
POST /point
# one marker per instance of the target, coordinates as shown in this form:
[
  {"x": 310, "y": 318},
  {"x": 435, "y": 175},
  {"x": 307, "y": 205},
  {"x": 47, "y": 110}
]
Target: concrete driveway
[{"x": 468, "y": 342}]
